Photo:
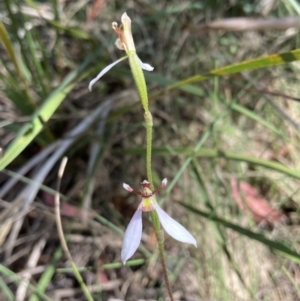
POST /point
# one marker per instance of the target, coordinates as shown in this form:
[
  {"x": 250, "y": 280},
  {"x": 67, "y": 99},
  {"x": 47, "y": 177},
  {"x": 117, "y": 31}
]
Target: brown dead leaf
[
  {"x": 66, "y": 209},
  {"x": 249, "y": 200},
  {"x": 243, "y": 24}
]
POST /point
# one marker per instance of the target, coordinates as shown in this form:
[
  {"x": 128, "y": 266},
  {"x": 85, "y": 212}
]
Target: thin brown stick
[
  {"x": 61, "y": 233},
  {"x": 57, "y": 209}
]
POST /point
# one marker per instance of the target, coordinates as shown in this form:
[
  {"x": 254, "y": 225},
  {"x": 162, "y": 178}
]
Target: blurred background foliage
[{"x": 224, "y": 97}]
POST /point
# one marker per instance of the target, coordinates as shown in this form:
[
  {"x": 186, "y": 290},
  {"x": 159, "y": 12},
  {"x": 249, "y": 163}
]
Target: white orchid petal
[
  {"x": 106, "y": 69},
  {"x": 125, "y": 18},
  {"x": 127, "y": 187},
  {"x": 146, "y": 66},
  {"x": 173, "y": 228},
  {"x": 132, "y": 237}
]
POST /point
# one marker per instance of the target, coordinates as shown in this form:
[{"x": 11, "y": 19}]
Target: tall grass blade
[
  {"x": 213, "y": 153},
  {"x": 276, "y": 246},
  {"x": 9, "y": 48},
  {"x": 258, "y": 63},
  {"x": 29, "y": 131}
]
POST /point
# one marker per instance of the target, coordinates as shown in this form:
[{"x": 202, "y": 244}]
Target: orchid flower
[
  {"x": 133, "y": 233},
  {"x": 124, "y": 42}
]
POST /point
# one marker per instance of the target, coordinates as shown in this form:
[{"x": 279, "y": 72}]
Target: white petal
[
  {"x": 132, "y": 237},
  {"x": 125, "y": 18},
  {"x": 173, "y": 228},
  {"x": 127, "y": 187},
  {"x": 106, "y": 69},
  {"x": 164, "y": 182},
  {"x": 145, "y": 66}
]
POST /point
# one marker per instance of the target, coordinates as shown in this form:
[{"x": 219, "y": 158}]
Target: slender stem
[
  {"x": 149, "y": 127},
  {"x": 158, "y": 231},
  {"x": 163, "y": 263},
  {"x": 160, "y": 239}
]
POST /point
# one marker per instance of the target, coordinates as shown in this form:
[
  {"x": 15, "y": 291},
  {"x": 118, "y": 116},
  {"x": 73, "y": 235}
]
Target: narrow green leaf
[
  {"x": 32, "y": 128},
  {"x": 276, "y": 246},
  {"x": 47, "y": 275},
  {"x": 72, "y": 31},
  {"x": 107, "y": 266},
  {"x": 9, "y": 48},
  {"x": 27, "y": 105},
  {"x": 6, "y": 290},
  {"x": 258, "y": 63},
  {"x": 213, "y": 153}
]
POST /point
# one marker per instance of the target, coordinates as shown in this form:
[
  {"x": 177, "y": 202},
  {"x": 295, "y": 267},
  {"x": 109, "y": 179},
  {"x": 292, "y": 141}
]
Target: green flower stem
[
  {"x": 155, "y": 220},
  {"x": 160, "y": 240},
  {"x": 139, "y": 78},
  {"x": 149, "y": 128}
]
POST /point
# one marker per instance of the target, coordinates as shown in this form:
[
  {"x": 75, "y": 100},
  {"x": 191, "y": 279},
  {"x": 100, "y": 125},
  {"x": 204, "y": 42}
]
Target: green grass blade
[
  {"x": 6, "y": 291},
  {"x": 213, "y": 153},
  {"x": 16, "y": 278},
  {"x": 72, "y": 31},
  {"x": 107, "y": 266},
  {"x": 9, "y": 48},
  {"x": 48, "y": 274},
  {"x": 31, "y": 129},
  {"x": 295, "y": 5},
  {"x": 39, "y": 74},
  {"x": 276, "y": 246},
  {"x": 27, "y": 105},
  {"x": 258, "y": 63},
  {"x": 257, "y": 118}
]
